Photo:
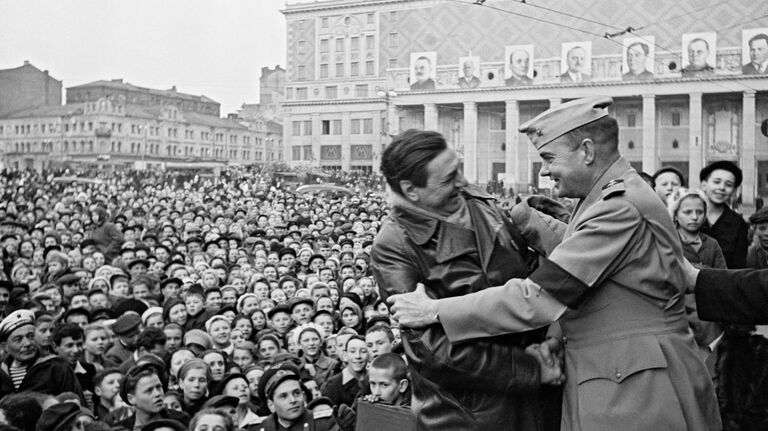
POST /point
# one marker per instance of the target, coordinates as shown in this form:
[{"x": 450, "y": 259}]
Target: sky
[{"x": 211, "y": 47}]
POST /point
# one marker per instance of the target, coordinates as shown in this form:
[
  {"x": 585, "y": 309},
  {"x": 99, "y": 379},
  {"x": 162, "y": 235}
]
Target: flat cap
[
  {"x": 278, "y": 377},
  {"x": 196, "y": 336},
  {"x": 761, "y": 216},
  {"x": 556, "y": 122},
  {"x": 724, "y": 165},
  {"x": 127, "y": 323}
]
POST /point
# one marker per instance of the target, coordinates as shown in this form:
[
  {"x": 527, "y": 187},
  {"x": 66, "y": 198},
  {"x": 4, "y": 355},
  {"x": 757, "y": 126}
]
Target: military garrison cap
[{"x": 556, "y": 122}]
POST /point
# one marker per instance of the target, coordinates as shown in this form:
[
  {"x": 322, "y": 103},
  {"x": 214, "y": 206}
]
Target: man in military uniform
[
  {"x": 615, "y": 282},
  {"x": 285, "y": 399},
  {"x": 127, "y": 329}
]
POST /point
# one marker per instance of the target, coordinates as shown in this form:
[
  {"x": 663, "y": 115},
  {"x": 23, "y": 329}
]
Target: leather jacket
[{"x": 487, "y": 384}]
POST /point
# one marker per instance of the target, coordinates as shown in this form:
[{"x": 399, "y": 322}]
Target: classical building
[
  {"x": 682, "y": 78},
  {"x": 27, "y": 87},
  {"x": 265, "y": 118}
]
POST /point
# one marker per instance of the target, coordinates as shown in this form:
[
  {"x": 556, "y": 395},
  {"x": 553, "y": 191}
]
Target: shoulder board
[
  {"x": 322, "y": 414},
  {"x": 613, "y": 188}
]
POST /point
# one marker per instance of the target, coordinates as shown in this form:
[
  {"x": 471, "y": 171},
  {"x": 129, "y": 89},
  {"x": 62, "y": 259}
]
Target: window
[
  {"x": 301, "y": 47},
  {"x": 631, "y": 120},
  {"x": 323, "y": 45},
  {"x": 326, "y": 124},
  {"x": 393, "y": 16},
  {"x": 337, "y": 127},
  {"x": 339, "y": 70},
  {"x": 301, "y": 72},
  {"x": 369, "y": 67},
  {"x": 323, "y": 71},
  {"x": 323, "y": 22},
  {"x": 331, "y": 92},
  {"x": 497, "y": 122},
  {"x": 354, "y": 69},
  {"x": 355, "y": 126},
  {"x": 675, "y": 118},
  {"x": 308, "y": 127},
  {"x": 361, "y": 90},
  {"x": 370, "y": 18},
  {"x": 368, "y": 126},
  {"x": 289, "y": 93},
  {"x": 392, "y": 63},
  {"x": 301, "y": 93},
  {"x": 369, "y": 42},
  {"x": 355, "y": 43},
  {"x": 340, "y": 44},
  {"x": 393, "y": 40},
  {"x": 295, "y": 153}
]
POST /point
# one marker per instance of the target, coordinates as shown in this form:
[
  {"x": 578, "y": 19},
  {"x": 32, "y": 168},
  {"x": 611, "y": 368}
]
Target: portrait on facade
[
  {"x": 754, "y": 51},
  {"x": 423, "y": 70},
  {"x": 637, "y": 64},
  {"x": 576, "y": 62},
  {"x": 699, "y": 53},
  {"x": 518, "y": 65},
  {"x": 469, "y": 72}
]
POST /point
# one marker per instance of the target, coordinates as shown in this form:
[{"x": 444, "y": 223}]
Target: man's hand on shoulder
[{"x": 414, "y": 309}]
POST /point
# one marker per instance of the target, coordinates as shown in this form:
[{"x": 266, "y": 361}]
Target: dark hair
[
  {"x": 381, "y": 328},
  {"x": 603, "y": 132},
  {"x": 759, "y": 36},
  {"x": 353, "y": 337},
  {"x": 68, "y": 330},
  {"x": 21, "y": 410},
  {"x": 132, "y": 377},
  {"x": 101, "y": 375},
  {"x": 392, "y": 361},
  {"x": 642, "y": 45},
  {"x": 698, "y": 39},
  {"x": 151, "y": 337},
  {"x": 407, "y": 156}
]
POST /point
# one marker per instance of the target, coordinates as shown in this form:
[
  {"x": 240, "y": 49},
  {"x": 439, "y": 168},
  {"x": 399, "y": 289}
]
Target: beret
[
  {"x": 67, "y": 279},
  {"x": 199, "y": 337},
  {"x": 724, "y": 165},
  {"x": 556, "y": 122},
  {"x": 126, "y": 323},
  {"x": 14, "y": 321},
  {"x": 277, "y": 309}
]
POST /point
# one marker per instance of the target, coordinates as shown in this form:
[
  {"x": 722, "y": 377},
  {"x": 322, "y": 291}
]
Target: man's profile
[
  {"x": 519, "y": 63},
  {"x": 637, "y": 55},
  {"x": 422, "y": 70},
  {"x": 698, "y": 54},
  {"x": 758, "y": 55},
  {"x": 468, "y": 78},
  {"x": 577, "y": 60}
]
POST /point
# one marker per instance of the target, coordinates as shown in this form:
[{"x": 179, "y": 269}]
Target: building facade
[
  {"x": 686, "y": 81},
  {"x": 114, "y": 134},
  {"x": 27, "y": 87}
]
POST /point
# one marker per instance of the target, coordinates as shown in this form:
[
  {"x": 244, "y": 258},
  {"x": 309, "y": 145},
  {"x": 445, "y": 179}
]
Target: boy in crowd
[
  {"x": 106, "y": 386},
  {"x": 388, "y": 376},
  {"x": 379, "y": 339},
  {"x": 68, "y": 342}
]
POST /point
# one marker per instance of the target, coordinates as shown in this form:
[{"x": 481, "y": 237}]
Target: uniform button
[{"x": 618, "y": 375}]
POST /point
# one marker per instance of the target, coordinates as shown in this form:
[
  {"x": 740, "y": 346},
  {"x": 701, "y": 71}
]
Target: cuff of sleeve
[{"x": 559, "y": 283}]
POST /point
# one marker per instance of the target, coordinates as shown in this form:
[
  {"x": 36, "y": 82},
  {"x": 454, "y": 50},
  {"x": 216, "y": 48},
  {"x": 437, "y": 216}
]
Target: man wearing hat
[
  {"x": 719, "y": 182},
  {"x": 431, "y": 237},
  {"x": 285, "y": 399},
  {"x": 616, "y": 282},
  {"x": 757, "y": 255},
  {"x": 301, "y": 309},
  {"x": 127, "y": 329},
  {"x": 62, "y": 417},
  {"x": 25, "y": 370}
]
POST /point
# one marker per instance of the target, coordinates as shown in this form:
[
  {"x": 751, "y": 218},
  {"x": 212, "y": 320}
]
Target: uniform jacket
[
  {"x": 118, "y": 353},
  {"x": 515, "y": 81},
  {"x": 48, "y": 374},
  {"x": 645, "y": 74},
  {"x": 630, "y": 359},
  {"x": 489, "y": 384},
  {"x": 308, "y": 422},
  {"x": 730, "y": 231}
]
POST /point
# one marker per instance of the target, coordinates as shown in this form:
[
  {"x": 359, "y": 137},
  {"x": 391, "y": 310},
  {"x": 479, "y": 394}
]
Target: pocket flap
[{"x": 617, "y": 360}]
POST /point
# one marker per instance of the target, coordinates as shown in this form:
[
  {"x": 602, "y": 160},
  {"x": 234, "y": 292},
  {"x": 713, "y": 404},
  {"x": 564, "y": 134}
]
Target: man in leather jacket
[{"x": 453, "y": 239}]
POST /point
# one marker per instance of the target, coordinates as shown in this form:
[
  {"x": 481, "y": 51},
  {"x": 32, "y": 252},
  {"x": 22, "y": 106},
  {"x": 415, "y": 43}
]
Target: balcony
[{"x": 103, "y": 132}]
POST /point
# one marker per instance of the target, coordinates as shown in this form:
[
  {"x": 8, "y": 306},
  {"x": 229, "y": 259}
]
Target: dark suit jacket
[
  {"x": 429, "y": 84},
  {"x": 585, "y": 77},
  {"x": 514, "y": 81},
  {"x": 472, "y": 83},
  {"x": 639, "y": 77},
  {"x": 733, "y": 296},
  {"x": 750, "y": 69}
]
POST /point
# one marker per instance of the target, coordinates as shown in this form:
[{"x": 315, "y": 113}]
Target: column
[
  {"x": 649, "y": 151},
  {"x": 512, "y": 140},
  {"x": 288, "y": 142},
  {"x": 695, "y": 141},
  {"x": 469, "y": 141},
  {"x": 346, "y": 141},
  {"x": 430, "y": 116},
  {"x": 317, "y": 133},
  {"x": 393, "y": 119},
  {"x": 747, "y": 157}
]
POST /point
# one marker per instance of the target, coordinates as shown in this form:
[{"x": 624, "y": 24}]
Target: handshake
[{"x": 550, "y": 355}]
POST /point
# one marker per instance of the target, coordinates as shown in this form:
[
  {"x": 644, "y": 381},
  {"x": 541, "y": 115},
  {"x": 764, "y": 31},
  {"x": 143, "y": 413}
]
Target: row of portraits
[{"x": 638, "y": 56}]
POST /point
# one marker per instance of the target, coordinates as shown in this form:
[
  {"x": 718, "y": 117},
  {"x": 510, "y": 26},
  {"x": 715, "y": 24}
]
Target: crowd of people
[
  {"x": 139, "y": 300},
  {"x": 146, "y": 301}
]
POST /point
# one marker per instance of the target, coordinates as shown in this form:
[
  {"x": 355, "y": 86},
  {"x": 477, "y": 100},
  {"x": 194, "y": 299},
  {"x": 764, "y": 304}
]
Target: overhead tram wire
[
  {"x": 716, "y": 3},
  {"x": 606, "y": 36}
]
